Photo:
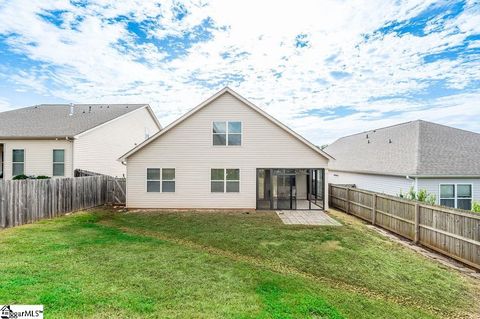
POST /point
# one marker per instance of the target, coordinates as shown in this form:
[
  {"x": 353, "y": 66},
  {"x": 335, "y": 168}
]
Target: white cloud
[
  {"x": 85, "y": 62},
  {"x": 4, "y": 106}
]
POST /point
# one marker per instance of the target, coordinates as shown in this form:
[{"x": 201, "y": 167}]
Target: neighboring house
[
  {"x": 443, "y": 160},
  {"x": 54, "y": 140},
  {"x": 226, "y": 153}
]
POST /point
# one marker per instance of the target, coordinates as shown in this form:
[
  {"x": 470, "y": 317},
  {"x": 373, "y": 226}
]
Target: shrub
[
  {"x": 43, "y": 177},
  {"x": 19, "y": 177},
  {"x": 476, "y": 207},
  {"x": 421, "y": 196}
]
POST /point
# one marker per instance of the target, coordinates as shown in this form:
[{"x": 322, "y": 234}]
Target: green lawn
[{"x": 102, "y": 264}]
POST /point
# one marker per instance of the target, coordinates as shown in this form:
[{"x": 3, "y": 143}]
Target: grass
[{"x": 101, "y": 264}]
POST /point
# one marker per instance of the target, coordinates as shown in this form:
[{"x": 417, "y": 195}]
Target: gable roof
[
  {"x": 417, "y": 148},
  {"x": 207, "y": 102},
  {"x": 53, "y": 120}
]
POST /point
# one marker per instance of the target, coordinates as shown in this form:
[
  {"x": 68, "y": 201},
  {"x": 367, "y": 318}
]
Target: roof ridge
[
  {"x": 450, "y": 127},
  {"x": 377, "y": 129}
]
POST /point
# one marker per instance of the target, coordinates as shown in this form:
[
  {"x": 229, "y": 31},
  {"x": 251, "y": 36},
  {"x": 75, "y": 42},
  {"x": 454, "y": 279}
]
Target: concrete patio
[{"x": 298, "y": 217}]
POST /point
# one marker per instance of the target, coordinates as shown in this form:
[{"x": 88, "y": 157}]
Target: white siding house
[
  {"x": 226, "y": 153},
  {"x": 98, "y": 149},
  {"x": 443, "y": 160},
  {"x": 54, "y": 140}
]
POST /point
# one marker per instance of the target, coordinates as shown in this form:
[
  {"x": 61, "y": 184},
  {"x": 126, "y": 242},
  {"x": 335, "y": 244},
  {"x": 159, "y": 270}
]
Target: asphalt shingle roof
[
  {"x": 417, "y": 148},
  {"x": 53, "y": 120}
]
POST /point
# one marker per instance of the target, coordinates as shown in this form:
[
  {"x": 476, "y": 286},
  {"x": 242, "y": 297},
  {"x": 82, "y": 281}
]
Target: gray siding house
[{"x": 443, "y": 160}]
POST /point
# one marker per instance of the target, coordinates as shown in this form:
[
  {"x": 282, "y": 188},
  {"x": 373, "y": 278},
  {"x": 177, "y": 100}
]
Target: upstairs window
[
  {"x": 456, "y": 195},
  {"x": 58, "y": 162},
  {"x": 227, "y": 133},
  {"x": 18, "y": 162}
]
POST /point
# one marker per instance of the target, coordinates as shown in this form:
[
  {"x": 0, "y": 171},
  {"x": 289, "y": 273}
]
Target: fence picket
[
  {"x": 452, "y": 232},
  {"x": 26, "y": 201}
]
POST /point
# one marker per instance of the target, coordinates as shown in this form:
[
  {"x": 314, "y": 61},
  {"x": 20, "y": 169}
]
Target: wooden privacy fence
[
  {"x": 116, "y": 194},
  {"x": 25, "y": 201},
  {"x": 454, "y": 233}
]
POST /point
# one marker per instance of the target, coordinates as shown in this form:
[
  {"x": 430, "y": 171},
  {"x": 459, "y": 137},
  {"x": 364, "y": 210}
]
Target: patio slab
[{"x": 298, "y": 217}]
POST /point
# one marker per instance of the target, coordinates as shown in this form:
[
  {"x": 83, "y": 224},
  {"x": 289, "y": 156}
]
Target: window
[
  {"x": 166, "y": 180},
  {"x": 464, "y": 196},
  {"x": 225, "y": 180},
  {"x": 18, "y": 162},
  {"x": 58, "y": 162},
  {"x": 227, "y": 133},
  {"x": 456, "y": 195},
  {"x": 153, "y": 180}
]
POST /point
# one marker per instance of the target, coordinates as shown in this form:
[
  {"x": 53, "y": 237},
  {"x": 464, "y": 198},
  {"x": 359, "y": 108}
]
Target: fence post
[
  {"x": 374, "y": 208},
  {"x": 348, "y": 200},
  {"x": 417, "y": 223}
]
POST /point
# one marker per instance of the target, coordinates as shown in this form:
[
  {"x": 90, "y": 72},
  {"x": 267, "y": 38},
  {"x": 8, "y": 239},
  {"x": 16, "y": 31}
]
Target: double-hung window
[
  {"x": 227, "y": 133},
  {"x": 464, "y": 196},
  {"x": 225, "y": 180},
  {"x": 160, "y": 180},
  {"x": 58, "y": 162},
  {"x": 456, "y": 195},
  {"x": 168, "y": 180},
  {"x": 18, "y": 162}
]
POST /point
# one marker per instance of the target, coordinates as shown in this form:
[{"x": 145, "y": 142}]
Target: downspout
[
  {"x": 415, "y": 182},
  {"x": 72, "y": 169}
]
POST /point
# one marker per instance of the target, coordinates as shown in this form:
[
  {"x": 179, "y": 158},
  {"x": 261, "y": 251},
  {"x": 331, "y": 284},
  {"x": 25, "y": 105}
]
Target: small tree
[
  {"x": 476, "y": 207},
  {"x": 422, "y": 196}
]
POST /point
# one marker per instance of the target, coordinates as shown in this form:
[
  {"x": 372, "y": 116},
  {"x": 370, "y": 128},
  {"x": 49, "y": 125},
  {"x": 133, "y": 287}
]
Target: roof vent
[{"x": 72, "y": 109}]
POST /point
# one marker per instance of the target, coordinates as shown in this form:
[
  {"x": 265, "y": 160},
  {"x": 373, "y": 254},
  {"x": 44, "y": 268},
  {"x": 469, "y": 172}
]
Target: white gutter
[{"x": 415, "y": 182}]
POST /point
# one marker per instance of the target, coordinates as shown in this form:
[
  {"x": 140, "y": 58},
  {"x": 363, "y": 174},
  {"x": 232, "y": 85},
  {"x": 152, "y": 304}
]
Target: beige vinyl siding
[
  {"x": 391, "y": 185},
  {"x": 432, "y": 185},
  {"x": 38, "y": 156},
  {"x": 98, "y": 150},
  {"x": 188, "y": 148}
]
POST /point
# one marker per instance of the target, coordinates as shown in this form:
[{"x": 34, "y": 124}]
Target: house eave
[
  {"x": 446, "y": 176},
  {"x": 58, "y": 138},
  {"x": 371, "y": 172},
  {"x": 403, "y": 174}
]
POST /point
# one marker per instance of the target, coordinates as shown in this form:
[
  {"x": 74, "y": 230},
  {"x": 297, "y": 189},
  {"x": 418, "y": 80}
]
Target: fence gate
[{"x": 117, "y": 191}]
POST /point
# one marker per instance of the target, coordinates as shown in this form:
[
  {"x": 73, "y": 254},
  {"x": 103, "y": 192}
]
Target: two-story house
[{"x": 226, "y": 153}]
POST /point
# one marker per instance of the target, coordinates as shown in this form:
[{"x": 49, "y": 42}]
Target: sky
[{"x": 324, "y": 68}]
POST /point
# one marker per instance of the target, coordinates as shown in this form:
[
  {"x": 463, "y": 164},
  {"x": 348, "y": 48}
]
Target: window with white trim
[
  {"x": 58, "y": 163},
  {"x": 18, "y": 162},
  {"x": 456, "y": 195},
  {"x": 227, "y": 133},
  {"x": 225, "y": 180},
  {"x": 160, "y": 180},
  {"x": 168, "y": 180}
]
